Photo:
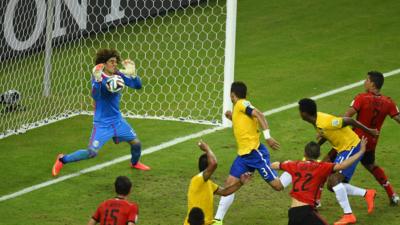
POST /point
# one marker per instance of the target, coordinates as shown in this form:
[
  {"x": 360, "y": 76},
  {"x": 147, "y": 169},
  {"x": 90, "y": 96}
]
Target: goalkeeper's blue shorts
[
  {"x": 256, "y": 160},
  {"x": 119, "y": 131}
]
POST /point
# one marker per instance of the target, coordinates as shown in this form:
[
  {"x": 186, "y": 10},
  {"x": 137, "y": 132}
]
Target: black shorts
[
  {"x": 305, "y": 215},
  {"x": 368, "y": 158}
]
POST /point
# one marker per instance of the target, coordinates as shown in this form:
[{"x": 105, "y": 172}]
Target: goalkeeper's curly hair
[{"x": 103, "y": 55}]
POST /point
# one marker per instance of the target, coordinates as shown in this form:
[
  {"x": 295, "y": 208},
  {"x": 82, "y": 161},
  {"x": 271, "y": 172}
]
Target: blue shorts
[
  {"x": 256, "y": 159},
  {"x": 119, "y": 131},
  {"x": 348, "y": 173}
]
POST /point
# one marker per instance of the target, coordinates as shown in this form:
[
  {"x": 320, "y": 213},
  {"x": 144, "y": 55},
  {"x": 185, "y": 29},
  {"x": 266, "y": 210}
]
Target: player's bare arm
[
  {"x": 350, "y": 112},
  {"x": 348, "y": 162},
  {"x": 350, "y": 121},
  {"x": 276, "y": 184},
  {"x": 228, "y": 115},
  {"x": 244, "y": 179},
  {"x": 265, "y": 128},
  {"x": 92, "y": 222},
  {"x": 320, "y": 139},
  {"x": 397, "y": 118},
  {"x": 275, "y": 165},
  {"x": 212, "y": 160}
]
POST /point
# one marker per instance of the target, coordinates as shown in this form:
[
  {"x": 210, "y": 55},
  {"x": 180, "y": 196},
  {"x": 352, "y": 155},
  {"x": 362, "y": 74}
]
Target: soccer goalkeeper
[{"x": 107, "y": 121}]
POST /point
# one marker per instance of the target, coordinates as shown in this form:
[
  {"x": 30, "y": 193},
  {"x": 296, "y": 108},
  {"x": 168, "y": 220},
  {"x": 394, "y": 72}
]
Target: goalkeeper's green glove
[
  {"x": 97, "y": 72},
  {"x": 129, "y": 68}
]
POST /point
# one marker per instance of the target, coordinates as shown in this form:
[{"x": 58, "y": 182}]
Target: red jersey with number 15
[
  {"x": 116, "y": 211},
  {"x": 372, "y": 110},
  {"x": 308, "y": 177}
]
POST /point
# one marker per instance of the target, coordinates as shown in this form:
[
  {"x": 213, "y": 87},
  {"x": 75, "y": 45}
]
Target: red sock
[{"x": 380, "y": 176}]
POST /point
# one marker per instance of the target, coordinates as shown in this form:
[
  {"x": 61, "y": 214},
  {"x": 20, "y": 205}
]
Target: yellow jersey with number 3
[
  {"x": 201, "y": 195},
  {"x": 331, "y": 128},
  {"x": 245, "y": 128}
]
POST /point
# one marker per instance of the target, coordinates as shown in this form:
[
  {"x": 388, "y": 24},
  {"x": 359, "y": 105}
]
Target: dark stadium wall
[{"x": 23, "y": 22}]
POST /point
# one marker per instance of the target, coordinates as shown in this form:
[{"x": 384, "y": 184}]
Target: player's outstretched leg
[
  {"x": 369, "y": 195},
  {"x": 382, "y": 179},
  {"x": 136, "y": 151},
  {"x": 370, "y": 199},
  {"x": 58, "y": 165},
  {"x": 335, "y": 184},
  {"x": 224, "y": 204},
  {"x": 346, "y": 219},
  {"x": 73, "y": 157}
]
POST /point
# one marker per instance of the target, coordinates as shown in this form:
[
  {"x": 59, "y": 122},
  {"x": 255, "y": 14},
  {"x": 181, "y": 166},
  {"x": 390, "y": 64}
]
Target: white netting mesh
[{"x": 178, "y": 47}]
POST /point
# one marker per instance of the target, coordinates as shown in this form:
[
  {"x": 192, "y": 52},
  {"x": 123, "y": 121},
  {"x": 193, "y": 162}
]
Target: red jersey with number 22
[
  {"x": 372, "y": 110},
  {"x": 116, "y": 211},
  {"x": 307, "y": 177}
]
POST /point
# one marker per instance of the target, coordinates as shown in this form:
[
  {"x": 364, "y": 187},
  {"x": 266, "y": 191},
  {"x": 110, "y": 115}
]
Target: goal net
[{"x": 47, "y": 56}]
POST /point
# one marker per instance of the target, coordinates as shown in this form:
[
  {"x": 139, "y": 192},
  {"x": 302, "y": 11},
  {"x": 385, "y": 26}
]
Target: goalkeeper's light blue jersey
[{"x": 106, "y": 104}]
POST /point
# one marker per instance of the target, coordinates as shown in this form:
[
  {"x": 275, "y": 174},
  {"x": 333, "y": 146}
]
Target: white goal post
[{"x": 184, "y": 51}]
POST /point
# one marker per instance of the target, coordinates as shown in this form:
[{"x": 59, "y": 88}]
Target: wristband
[{"x": 266, "y": 133}]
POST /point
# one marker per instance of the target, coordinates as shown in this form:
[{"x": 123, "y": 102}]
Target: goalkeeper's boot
[
  {"x": 394, "y": 200},
  {"x": 217, "y": 222},
  {"x": 140, "y": 166},
  {"x": 346, "y": 219},
  {"x": 58, "y": 165},
  {"x": 370, "y": 198}
]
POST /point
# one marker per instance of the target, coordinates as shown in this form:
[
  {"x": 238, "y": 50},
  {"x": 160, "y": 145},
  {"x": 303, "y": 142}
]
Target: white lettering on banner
[
  {"x": 79, "y": 13},
  {"x": 8, "y": 27},
  {"x": 115, "y": 13},
  {"x": 58, "y": 30}
]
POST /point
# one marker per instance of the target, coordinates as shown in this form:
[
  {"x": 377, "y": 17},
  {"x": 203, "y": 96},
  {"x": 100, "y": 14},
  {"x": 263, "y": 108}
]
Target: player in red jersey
[
  {"x": 118, "y": 210},
  {"x": 308, "y": 176},
  {"x": 372, "y": 108}
]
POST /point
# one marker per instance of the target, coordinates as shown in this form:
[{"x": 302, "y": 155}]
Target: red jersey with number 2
[
  {"x": 307, "y": 178},
  {"x": 116, "y": 211},
  {"x": 371, "y": 111}
]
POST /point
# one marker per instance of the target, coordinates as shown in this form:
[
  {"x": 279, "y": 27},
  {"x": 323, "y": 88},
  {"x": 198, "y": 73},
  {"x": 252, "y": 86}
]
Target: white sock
[
  {"x": 353, "y": 190},
  {"x": 224, "y": 204},
  {"x": 341, "y": 196},
  {"x": 286, "y": 179}
]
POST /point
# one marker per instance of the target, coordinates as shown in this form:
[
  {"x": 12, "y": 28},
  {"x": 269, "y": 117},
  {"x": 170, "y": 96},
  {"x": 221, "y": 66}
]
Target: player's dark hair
[
  {"x": 196, "y": 216},
  {"x": 103, "y": 55},
  {"x": 312, "y": 150},
  {"x": 239, "y": 89},
  {"x": 203, "y": 162},
  {"x": 308, "y": 106},
  {"x": 377, "y": 78},
  {"x": 122, "y": 185}
]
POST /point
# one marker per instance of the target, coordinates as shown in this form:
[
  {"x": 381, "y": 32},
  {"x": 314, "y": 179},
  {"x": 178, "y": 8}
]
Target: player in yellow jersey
[
  {"x": 252, "y": 154},
  {"x": 345, "y": 141},
  {"x": 202, "y": 188}
]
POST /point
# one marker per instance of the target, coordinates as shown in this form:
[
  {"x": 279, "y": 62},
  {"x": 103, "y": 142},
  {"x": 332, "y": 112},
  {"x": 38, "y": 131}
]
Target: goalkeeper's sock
[
  {"x": 76, "y": 156},
  {"x": 136, "y": 151}
]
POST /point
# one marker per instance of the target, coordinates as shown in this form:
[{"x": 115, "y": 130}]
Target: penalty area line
[{"x": 175, "y": 141}]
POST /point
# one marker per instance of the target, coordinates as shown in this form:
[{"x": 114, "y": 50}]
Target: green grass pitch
[{"x": 285, "y": 51}]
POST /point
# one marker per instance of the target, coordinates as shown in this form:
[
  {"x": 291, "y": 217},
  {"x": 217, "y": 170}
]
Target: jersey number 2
[{"x": 303, "y": 187}]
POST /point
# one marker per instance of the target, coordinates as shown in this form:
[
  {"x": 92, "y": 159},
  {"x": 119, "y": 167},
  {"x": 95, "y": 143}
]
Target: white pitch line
[{"x": 174, "y": 142}]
